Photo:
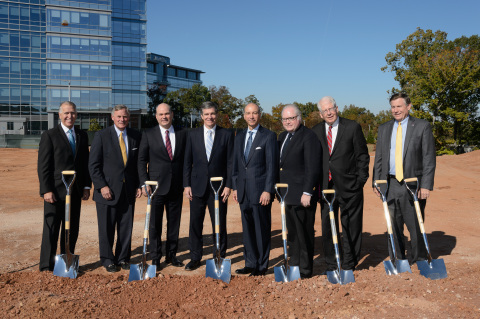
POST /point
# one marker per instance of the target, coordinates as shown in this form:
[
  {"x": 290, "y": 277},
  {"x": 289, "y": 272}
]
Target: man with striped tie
[
  {"x": 345, "y": 169},
  {"x": 209, "y": 153},
  {"x": 160, "y": 158}
]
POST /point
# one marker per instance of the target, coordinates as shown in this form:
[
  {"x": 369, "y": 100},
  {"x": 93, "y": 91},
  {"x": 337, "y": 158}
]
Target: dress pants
[
  {"x": 300, "y": 238},
  {"x": 350, "y": 241},
  {"x": 172, "y": 204},
  {"x": 53, "y": 221},
  {"x": 256, "y": 224},
  {"x": 120, "y": 218},
  {"x": 402, "y": 211},
  {"x": 198, "y": 207}
]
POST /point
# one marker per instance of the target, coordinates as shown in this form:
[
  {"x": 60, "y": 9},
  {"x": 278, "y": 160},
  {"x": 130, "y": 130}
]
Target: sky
[{"x": 286, "y": 51}]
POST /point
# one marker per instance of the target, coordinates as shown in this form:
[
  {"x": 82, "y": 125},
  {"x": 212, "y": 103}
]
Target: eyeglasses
[
  {"x": 289, "y": 119},
  {"x": 330, "y": 110}
]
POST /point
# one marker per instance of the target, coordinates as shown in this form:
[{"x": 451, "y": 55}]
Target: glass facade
[{"x": 92, "y": 52}]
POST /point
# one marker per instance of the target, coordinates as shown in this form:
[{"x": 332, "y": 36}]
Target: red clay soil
[{"x": 452, "y": 224}]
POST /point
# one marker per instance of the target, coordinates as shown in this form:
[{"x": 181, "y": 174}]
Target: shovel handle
[
  {"x": 281, "y": 185},
  {"x": 151, "y": 183},
  {"x": 329, "y": 191},
  {"x": 387, "y": 218},
  {"x": 216, "y": 179},
  {"x": 67, "y": 215},
  {"x": 333, "y": 226},
  {"x": 409, "y": 180},
  {"x": 381, "y": 181},
  {"x": 419, "y": 216},
  {"x": 68, "y": 172}
]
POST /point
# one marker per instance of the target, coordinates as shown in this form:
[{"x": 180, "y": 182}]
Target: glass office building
[{"x": 92, "y": 52}]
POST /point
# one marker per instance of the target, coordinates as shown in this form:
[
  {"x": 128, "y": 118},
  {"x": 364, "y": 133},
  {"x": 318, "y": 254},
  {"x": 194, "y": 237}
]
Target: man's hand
[
  {"x": 49, "y": 197},
  {"x": 86, "y": 194},
  {"x": 376, "y": 192},
  {"x": 188, "y": 193},
  {"x": 234, "y": 196},
  {"x": 139, "y": 193},
  {"x": 305, "y": 200},
  {"x": 265, "y": 198},
  {"x": 225, "y": 194},
  {"x": 106, "y": 193},
  {"x": 149, "y": 190},
  {"x": 423, "y": 193}
]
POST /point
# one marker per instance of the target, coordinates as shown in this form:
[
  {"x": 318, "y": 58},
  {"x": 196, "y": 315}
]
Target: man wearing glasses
[
  {"x": 345, "y": 169},
  {"x": 300, "y": 154}
]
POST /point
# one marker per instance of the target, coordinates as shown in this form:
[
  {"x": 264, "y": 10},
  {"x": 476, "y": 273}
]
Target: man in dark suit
[
  {"x": 405, "y": 148},
  {"x": 62, "y": 148},
  {"x": 113, "y": 168},
  {"x": 255, "y": 165},
  {"x": 300, "y": 162},
  {"x": 160, "y": 158},
  {"x": 345, "y": 169},
  {"x": 209, "y": 153}
]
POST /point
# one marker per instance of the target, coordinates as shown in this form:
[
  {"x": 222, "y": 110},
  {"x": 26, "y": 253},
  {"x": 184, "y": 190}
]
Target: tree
[
  {"x": 442, "y": 78},
  {"x": 277, "y": 111},
  {"x": 362, "y": 116},
  {"x": 227, "y": 103},
  {"x": 187, "y": 102},
  {"x": 312, "y": 119},
  {"x": 271, "y": 122},
  {"x": 156, "y": 94},
  {"x": 94, "y": 125}
]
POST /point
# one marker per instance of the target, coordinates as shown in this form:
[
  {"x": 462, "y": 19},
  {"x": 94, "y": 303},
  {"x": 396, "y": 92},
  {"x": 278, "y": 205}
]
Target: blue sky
[{"x": 286, "y": 51}]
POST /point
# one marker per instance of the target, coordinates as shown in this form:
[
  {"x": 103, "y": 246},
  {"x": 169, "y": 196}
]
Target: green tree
[
  {"x": 362, "y": 116},
  {"x": 156, "y": 94},
  {"x": 186, "y": 104},
  {"x": 442, "y": 78},
  {"x": 227, "y": 103},
  {"x": 94, "y": 125}
]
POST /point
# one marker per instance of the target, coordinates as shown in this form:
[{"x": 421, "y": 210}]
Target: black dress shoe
[
  {"x": 302, "y": 276},
  {"x": 112, "y": 268},
  {"x": 257, "y": 273},
  {"x": 124, "y": 265},
  {"x": 174, "y": 261},
  {"x": 244, "y": 271},
  {"x": 156, "y": 262},
  {"x": 192, "y": 265}
]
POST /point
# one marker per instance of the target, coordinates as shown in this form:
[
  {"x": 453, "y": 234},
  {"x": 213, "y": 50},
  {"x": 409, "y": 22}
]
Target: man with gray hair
[
  {"x": 344, "y": 169},
  {"x": 300, "y": 162},
  {"x": 113, "y": 168}
]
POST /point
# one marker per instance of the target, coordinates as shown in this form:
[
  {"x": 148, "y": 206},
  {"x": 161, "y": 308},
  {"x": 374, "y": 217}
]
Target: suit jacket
[
  {"x": 197, "y": 170},
  {"x": 107, "y": 168},
  {"x": 55, "y": 155},
  {"x": 300, "y": 165},
  {"x": 258, "y": 173},
  {"x": 349, "y": 160},
  {"x": 419, "y": 157},
  {"x": 153, "y": 153}
]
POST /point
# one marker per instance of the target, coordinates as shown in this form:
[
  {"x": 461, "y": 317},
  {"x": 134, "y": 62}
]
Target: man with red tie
[
  {"x": 345, "y": 169},
  {"x": 160, "y": 158}
]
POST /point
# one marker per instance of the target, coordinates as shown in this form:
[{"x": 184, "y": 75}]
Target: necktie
[
  {"x": 329, "y": 140},
  {"x": 168, "y": 145},
  {"x": 209, "y": 144},
  {"x": 249, "y": 145},
  {"x": 71, "y": 140},
  {"x": 123, "y": 149},
  {"x": 287, "y": 140},
  {"x": 399, "y": 155}
]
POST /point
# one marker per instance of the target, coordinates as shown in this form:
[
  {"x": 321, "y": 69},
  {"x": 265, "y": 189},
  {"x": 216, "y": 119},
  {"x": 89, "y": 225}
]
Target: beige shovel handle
[
  {"x": 329, "y": 191},
  {"x": 419, "y": 216},
  {"x": 68, "y": 172},
  {"x": 281, "y": 185},
  {"x": 334, "y": 230},
  {"x": 387, "y": 218},
  {"x": 216, "y": 179},
  {"x": 151, "y": 183},
  {"x": 409, "y": 180}
]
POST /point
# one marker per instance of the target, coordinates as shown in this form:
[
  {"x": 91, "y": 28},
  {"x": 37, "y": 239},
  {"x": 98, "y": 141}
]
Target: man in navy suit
[
  {"x": 300, "y": 162},
  {"x": 160, "y": 158},
  {"x": 345, "y": 169},
  {"x": 416, "y": 159},
  {"x": 62, "y": 148},
  {"x": 255, "y": 165},
  {"x": 113, "y": 168},
  {"x": 209, "y": 153}
]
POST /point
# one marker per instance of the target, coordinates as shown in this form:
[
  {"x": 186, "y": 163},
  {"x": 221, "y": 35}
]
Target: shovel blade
[
  {"x": 434, "y": 270},
  {"x": 282, "y": 275},
  {"x": 142, "y": 272},
  {"x": 220, "y": 270},
  {"x": 341, "y": 277},
  {"x": 401, "y": 265},
  {"x": 65, "y": 267}
]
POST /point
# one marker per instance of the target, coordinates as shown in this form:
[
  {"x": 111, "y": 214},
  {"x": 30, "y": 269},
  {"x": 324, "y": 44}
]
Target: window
[{"x": 10, "y": 126}]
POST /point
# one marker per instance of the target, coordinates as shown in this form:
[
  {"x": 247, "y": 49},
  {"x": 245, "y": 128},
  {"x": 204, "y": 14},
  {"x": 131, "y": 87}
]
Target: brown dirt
[{"x": 452, "y": 224}]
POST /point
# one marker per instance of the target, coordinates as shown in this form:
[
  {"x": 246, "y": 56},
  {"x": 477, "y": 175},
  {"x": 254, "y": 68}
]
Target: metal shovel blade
[
  {"x": 401, "y": 265},
  {"x": 434, "y": 270},
  {"x": 65, "y": 267},
  {"x": 341, "y": 277},
  {"x": 220, "y": 270},
  {"x": 283, "y": 275},
  {"x": 142, "y": 272}
]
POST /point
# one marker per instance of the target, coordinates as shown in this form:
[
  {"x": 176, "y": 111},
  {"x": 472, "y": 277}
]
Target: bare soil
[{"x": 452, "y": 224}]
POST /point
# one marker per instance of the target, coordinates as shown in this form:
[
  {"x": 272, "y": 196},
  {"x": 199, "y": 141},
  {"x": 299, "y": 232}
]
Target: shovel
[
  {"x": 285, "y": 273},
  {"x": 66, "y": 265},
  {"x": 218, "y": 267},
  {"x": 338, "y": 276},
  {"x": 142, "y": 270},
  {"x": 393, "y": 266},
  {"x": 430, "y": 268}
]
